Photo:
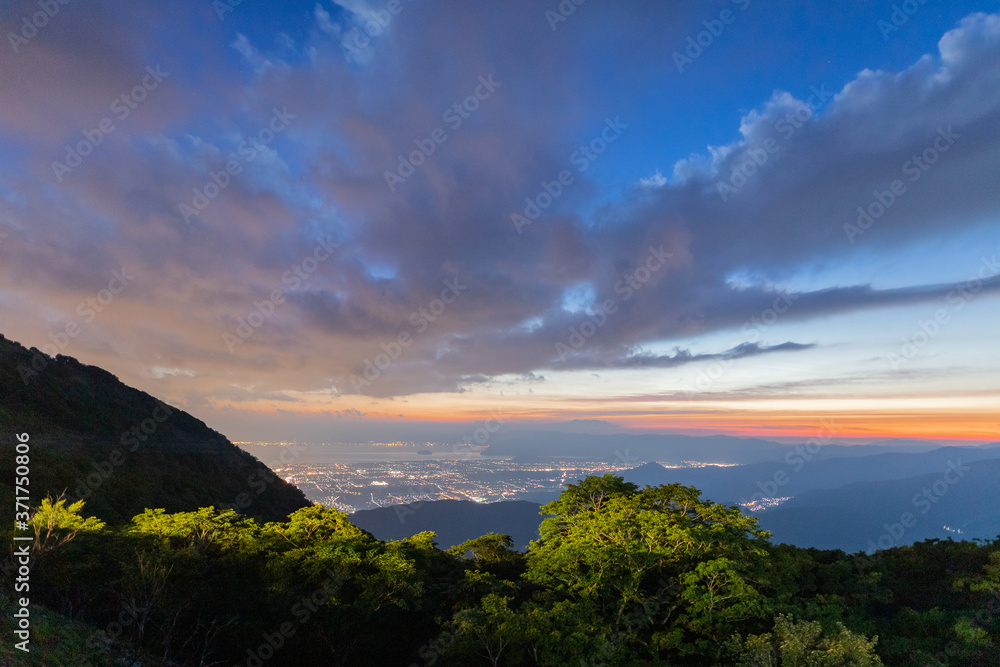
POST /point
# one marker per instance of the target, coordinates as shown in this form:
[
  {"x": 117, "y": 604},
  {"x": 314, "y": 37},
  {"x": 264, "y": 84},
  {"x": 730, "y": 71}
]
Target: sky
[{"x": 335, "y": 221}]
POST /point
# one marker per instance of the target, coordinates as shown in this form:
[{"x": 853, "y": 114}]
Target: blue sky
[{"x": 326, "y": 226}]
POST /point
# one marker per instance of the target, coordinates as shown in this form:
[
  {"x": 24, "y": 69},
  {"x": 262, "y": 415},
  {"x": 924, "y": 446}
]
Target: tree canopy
[{"x": 618, "y": 576}]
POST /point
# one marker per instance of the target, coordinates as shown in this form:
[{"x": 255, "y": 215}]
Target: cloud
[
  {"x": 657, "y": 180},
  {"x": 259, "y": 62},
  {"x": 325, "y": 21},
  {"x": 325, "y": 175},
  {"x": 678, "y": 358}
]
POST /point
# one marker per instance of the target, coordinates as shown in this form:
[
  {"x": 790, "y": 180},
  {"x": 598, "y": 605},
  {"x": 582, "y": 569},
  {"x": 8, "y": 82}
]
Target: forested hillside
[
  {"x": 119, "y": 448},
  {"x": 620, "y": 576}
]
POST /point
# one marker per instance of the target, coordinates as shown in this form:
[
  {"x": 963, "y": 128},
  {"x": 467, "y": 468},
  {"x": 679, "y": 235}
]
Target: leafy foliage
[
  {"x": 620, "y": 576},
  {"x": 804, "y": 644},
  {"x": 55, "y": 524},
  {"x": 618, "y": 547}
]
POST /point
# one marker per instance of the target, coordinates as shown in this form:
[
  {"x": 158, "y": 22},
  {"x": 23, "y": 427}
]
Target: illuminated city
[{"x": 363, "y": 485}]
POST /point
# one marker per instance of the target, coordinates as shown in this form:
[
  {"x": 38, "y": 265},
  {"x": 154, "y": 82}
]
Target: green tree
[
  {"x": 687, "y": 561},
  {"x": 315, "y": 525},
  {"x": 804, "y": 644},
  {"x": 200, "y": 529},
  {"x": 55, "y": 524},
  {"x": 491, "y": 553}
]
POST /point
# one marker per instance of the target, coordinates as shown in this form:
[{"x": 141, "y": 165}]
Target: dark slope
[
  {"x": 120, "y": 448},
  {"x": 454, "y": 521}
]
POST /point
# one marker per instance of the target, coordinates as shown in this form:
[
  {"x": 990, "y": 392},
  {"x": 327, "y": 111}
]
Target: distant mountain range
[
  {"x": 120, "y": 449},
  {"x": 960, "y": 501},
  {"x": 572, "y": 443},
  {"x": 796, "y": 474},
  {"x": 854, "y": 504},
  {"x": 673, "y": 448},
  {"x": 454, "y": 521}
]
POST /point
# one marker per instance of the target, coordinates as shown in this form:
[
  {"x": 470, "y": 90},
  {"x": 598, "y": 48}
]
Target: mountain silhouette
[{"x": 120, "y": 449}]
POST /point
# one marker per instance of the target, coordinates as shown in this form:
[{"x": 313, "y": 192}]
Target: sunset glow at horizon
[{"x": 294, "y": 226}]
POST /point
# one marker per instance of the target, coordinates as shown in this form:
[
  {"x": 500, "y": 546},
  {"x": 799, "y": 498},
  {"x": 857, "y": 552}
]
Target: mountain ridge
[{"x": 120, "y": 449}]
